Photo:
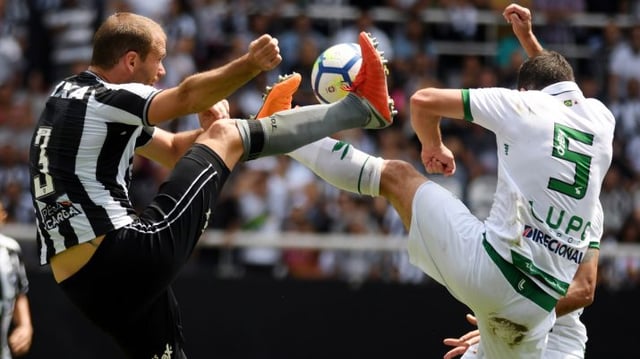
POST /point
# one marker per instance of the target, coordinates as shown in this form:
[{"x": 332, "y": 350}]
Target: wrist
[{"x": 251, "y": 65}]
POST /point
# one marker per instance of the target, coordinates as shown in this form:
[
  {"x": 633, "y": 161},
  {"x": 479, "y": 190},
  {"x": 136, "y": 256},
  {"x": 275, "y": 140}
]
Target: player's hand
[
  {"x": 438, "y": 160},
  {"x": 264, "y": 52},
  {"x": 216, "y": 112},
  {"x": 520, "y": 19},
  {"x": 462, "y": 344},
  {"x": 20, "y": 340}
]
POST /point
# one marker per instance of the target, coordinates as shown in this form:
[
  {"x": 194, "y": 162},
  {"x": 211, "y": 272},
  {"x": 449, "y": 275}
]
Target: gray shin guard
[{"x": 288, "y": 130}]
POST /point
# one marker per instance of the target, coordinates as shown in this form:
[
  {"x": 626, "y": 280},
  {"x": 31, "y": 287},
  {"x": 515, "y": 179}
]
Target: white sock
[{"x": 342, "y": 165}]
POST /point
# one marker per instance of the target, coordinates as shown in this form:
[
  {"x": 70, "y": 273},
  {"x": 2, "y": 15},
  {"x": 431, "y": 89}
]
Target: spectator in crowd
[
  {"x": 624, "y": 65},
  {"x": 70, "y": 25},
  {"x": 364, "y": 22},
  {"x": 301, "y": 33},
  {"x": 16, "y": 331},
  {"x": 262, "y": 198},
  {"x": 182, "y": 36},
  {"x": 617, "y": 200}
]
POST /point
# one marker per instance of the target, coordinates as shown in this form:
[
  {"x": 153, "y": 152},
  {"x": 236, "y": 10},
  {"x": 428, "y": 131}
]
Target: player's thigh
[
  {"x": 445, "y": 240},
  {"x": 170, "y": 226}
]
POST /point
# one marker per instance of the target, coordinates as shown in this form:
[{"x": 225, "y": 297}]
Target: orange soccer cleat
[
  {"x": 278, "y": 97},
  {"x": 370, "y": 83}
]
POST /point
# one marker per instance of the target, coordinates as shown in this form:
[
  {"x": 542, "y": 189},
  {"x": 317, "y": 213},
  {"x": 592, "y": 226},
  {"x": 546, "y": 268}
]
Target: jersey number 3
[
  {"x": 561, "y": 136},
  {"x": 43, "y": 183}
]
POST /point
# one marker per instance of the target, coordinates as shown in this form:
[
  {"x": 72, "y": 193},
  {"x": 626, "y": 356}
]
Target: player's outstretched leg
[
  {"x": 370, "y": 83},
  {"x": 367, "y": 105},
  {"x": 279, "y": 96}
]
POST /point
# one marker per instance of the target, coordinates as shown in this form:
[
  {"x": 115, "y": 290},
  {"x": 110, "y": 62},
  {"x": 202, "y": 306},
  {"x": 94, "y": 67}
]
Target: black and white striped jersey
[
  {"x": 13, "y": 282},
  {"x": 81, "y": 156}
]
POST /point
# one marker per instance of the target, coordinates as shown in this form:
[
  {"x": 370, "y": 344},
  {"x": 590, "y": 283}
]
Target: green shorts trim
[{"x": 524, "y": 285}]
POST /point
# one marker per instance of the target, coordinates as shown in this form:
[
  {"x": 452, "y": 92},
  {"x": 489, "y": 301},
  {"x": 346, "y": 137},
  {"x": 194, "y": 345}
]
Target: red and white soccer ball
[{"x": 334, "y": 68}]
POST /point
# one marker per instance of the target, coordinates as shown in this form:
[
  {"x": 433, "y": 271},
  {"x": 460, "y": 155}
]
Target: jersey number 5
[
  {"x": 43, "y": 183},
  {"x": 561, "y": 136}
]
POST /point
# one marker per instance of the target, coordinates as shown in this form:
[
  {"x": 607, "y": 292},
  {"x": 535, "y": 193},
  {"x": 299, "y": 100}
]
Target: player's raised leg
[{"x": 367, "y": 105}]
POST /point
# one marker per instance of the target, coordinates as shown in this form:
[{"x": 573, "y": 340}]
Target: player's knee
[
  {"x": 396, "y": 169},
  {"x": 224, "y": 139},
  {"x": 399, "y": 173},
  {"x": 223, "y": 130},
  {"x": 222, "y": 133}
]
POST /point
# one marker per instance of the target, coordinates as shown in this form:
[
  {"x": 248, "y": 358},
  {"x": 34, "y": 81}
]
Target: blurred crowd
[{"x": 43, "y": 41}]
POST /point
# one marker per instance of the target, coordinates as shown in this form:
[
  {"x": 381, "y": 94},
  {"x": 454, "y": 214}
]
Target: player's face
[{"x": 151, "y": 70}]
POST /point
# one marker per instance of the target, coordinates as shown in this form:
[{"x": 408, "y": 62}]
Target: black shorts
[{"x": 125, "y": 288}]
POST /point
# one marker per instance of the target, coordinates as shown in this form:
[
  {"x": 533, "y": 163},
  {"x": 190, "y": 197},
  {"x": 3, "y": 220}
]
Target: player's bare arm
[
  {"x": 428, "y": 106},
  {"x": 583, "y": 287},
  {"x": 200, "y": 91},
  {"x": 520, "y": 19},
  {"x": 22, "y": 334},
  {"x": 167, "y": 148}
]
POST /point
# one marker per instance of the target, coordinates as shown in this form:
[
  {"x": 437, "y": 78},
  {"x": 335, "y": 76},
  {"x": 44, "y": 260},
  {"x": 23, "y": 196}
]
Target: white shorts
[
  {"x": 549, "y": 353},
  {"x": 446, "y": 242}
]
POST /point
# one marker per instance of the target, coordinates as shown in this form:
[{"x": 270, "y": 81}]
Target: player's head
[
  {"x": 137, "y": 40},
  {"x": 543, "y": 70}
]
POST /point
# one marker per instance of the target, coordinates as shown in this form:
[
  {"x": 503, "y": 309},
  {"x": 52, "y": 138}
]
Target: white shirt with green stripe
[{"x": 554, "y": 149}]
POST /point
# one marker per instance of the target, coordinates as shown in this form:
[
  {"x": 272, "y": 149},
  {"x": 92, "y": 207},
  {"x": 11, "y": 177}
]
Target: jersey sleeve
[
  {"x": 145, "y": 136},
  {"x": 493, "y": 108},
  {"x": 597, "y": 226},
  {"x": 23, "y": 281},
  {"x": 126, "y": 103},
  {"x": 16, "y": 263}
]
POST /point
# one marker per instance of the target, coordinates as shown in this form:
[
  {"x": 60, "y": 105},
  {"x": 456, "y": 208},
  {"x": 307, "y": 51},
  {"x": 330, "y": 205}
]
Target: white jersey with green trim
[{"x": 554, "y": 149}]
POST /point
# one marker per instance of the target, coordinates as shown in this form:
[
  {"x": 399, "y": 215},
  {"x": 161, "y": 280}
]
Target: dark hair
[
  {"x": 120, "y": 33},
  {"x": 543, "y": 70}
]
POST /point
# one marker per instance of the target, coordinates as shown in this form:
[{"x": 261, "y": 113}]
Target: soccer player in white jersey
[
  {"x": 554, "y": 148},
  {"x": 568, "y": 337},
  {"x": 117, "y": 265}
]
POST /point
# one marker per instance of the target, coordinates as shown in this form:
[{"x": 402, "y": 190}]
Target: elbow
[
  {"x": 423, "y": 99},
  {"x": 587, "y": 296},
  {"x": 422, "y": 105},
  {"x": 588, "y": 299}
]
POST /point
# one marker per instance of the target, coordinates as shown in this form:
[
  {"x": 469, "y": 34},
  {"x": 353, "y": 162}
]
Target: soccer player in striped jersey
[
  {"x": 117, "y": 265},
  {"x": 554, "y": 148}
]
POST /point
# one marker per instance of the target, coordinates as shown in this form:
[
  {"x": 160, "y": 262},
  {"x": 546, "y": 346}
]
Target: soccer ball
[{"x": 336, "y": 67}]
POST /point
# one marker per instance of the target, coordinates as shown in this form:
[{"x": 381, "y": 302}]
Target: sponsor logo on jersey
[
  {"x": 551, "y": 244},
  {"x": 54, "y": 214}
]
